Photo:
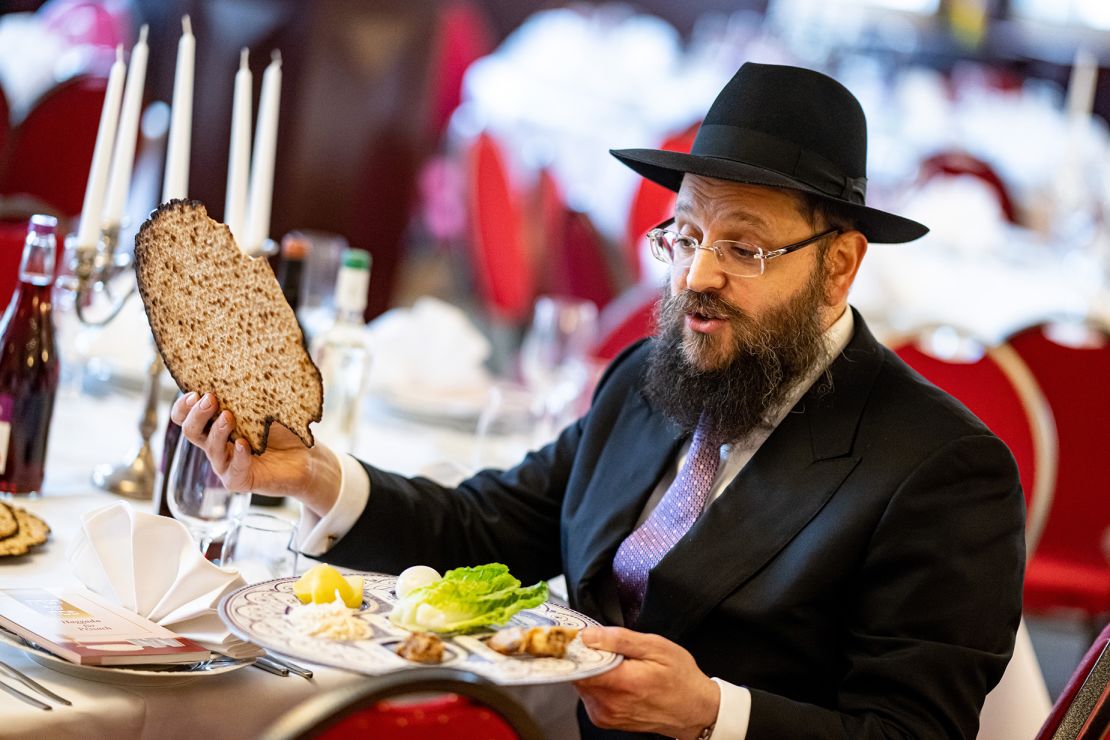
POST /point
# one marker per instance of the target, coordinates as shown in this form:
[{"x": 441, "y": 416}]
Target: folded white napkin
[
  {"x": 151, "y": 565},
  {"x": 432, "y": 347}
]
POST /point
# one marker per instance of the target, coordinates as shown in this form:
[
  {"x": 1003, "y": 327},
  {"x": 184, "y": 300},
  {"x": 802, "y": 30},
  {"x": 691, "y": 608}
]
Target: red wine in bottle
[{"x": 28, "y": 365}]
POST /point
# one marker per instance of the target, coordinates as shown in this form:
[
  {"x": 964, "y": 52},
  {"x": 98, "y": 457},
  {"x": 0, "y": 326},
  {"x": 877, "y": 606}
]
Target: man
[{"x": 760, "y": 494}]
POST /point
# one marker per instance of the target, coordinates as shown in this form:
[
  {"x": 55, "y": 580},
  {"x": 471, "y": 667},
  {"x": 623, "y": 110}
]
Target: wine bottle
[{"x": 28, "y": 364}]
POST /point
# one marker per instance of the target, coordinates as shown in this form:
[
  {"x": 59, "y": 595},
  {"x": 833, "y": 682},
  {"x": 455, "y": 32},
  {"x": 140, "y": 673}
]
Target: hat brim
[{"x": 667, "y": 169}]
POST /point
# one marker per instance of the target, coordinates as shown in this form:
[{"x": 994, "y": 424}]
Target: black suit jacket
[{"x": 861, "y": 575}]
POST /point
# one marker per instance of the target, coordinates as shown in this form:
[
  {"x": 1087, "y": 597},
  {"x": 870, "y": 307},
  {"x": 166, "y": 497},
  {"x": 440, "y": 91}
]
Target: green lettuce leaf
[{"x": 467, "y": 599}]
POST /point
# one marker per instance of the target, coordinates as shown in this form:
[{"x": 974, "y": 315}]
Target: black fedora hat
[{"x": 783, "y": 127}]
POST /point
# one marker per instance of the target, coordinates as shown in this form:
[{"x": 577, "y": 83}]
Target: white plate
[
  {"x": 127, "y": 675},
  {"x": 258, "y": 613}
]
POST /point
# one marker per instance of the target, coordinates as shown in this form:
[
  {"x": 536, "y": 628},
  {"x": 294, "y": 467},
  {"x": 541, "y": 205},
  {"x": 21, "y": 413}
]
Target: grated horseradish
[{"x": 332, "y": 621}]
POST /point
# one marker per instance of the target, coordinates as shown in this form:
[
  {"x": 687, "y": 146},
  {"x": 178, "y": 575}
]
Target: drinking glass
[
  {"x": 198, "y": 499},
  {"x": 554, "y": 358},
  {"x": 261, "y": 547}
]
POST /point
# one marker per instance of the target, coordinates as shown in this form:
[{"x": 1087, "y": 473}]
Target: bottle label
[{"x": 6, "y": 406}]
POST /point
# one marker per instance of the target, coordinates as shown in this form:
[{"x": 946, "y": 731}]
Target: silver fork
[
  {"x": 24, "y": 697},
  {"x": 31, "y": 683}
]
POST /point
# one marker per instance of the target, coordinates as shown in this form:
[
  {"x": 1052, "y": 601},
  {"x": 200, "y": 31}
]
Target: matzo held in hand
[{"x": 222, "y": 325}]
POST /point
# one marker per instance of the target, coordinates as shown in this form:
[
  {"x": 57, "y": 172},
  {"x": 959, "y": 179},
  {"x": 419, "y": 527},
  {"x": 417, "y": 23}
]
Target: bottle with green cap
[{"x": 343, "y": 355}]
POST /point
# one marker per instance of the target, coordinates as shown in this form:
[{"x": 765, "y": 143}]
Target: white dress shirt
[{"x": 318, "y": 534}]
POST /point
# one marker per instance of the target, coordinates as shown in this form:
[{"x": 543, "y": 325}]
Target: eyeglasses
[{"x": 738, "y": 259}]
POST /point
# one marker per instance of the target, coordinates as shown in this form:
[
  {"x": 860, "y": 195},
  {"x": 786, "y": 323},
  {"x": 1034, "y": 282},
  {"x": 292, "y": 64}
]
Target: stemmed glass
[
  {"x": 554, "y": 358},
  {"x": 196, "y": 497}
]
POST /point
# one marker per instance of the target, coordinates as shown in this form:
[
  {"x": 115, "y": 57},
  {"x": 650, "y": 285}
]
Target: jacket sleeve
[
  {"x": 512, "y": 516},
  {"x": 935, "y": 607}
]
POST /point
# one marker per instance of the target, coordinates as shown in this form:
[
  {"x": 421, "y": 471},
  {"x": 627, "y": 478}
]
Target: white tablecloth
[{"x": 86, "y": 432}]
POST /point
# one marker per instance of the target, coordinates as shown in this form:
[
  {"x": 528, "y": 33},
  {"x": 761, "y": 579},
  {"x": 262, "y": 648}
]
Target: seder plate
[{"x": 258, "y": 613}]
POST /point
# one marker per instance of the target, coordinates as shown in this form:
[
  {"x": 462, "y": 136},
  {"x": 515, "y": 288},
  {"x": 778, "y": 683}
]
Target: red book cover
[{"x": 81, "y": 627}]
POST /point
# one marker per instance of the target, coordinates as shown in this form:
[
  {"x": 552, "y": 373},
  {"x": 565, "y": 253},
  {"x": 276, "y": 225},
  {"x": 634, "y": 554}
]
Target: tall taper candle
[
  {"x": 123, "y": 155},
  {"x": 239, "y": 157},
  {"x": 88, "y": 231},
  {"x": 262, "y": 163},
  {"x": 176, "y": 182}
]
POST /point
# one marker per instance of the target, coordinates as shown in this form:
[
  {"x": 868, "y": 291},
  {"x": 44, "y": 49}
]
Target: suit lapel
[
  {"x": 784, "y": 486},
  {"x": 642, "y": 444}
]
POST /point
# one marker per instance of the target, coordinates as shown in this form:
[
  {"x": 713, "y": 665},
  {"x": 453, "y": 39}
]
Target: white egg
[{"x": 415, "y": 577}]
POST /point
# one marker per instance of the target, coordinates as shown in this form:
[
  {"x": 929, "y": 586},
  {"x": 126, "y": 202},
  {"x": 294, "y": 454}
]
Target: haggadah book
[{"x": 80, "y": 627}]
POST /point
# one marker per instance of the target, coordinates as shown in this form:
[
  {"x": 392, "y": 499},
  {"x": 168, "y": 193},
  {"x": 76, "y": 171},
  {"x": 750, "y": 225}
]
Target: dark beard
[{"x": 733, "y": 386}]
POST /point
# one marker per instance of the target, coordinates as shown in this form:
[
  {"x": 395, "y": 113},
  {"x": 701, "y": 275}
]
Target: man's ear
[{"x": 842, "y": 261}]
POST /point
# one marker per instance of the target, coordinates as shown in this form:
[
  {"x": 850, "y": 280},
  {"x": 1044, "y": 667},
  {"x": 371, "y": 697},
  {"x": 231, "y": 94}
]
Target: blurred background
[{"x": 464, "y": 144}]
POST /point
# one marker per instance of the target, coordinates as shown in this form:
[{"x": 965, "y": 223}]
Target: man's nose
[{"x": 705, "y": 272}]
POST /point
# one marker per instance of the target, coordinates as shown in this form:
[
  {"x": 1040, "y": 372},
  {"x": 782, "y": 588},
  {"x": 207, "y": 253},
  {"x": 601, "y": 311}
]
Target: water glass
[{"x": 261, "y": 547}]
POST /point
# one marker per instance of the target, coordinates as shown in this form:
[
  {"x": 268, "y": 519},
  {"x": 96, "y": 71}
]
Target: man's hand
[
  {"x": 286, "y": 468},
  {"x": 658, "y": 687}
]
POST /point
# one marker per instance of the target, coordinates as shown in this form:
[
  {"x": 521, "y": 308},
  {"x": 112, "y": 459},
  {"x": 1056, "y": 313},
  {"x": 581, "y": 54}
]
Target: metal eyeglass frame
[{"x": 758, "y": 253}]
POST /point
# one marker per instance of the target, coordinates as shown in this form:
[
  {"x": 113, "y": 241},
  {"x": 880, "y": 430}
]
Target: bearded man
[{"x": 791, "y": 534}]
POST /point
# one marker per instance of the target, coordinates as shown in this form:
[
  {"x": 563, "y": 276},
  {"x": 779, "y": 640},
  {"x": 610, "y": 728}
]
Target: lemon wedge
[{"x": 322, "y": 583}]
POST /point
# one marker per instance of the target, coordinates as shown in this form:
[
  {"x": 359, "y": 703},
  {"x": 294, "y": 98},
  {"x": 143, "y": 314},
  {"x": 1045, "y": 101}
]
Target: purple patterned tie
[{"x": 668, "y": 522}]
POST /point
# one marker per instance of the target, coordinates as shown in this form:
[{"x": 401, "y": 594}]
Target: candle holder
[{"x": 94, "y": 267}]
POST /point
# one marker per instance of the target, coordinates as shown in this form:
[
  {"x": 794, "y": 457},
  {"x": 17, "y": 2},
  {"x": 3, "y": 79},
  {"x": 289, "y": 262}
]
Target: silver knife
[{"x": 291, "y": 667}]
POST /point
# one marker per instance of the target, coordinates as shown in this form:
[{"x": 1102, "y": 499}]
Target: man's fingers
[
  {"x": 182, "y": 406},
  {"x": 238, "y": 475},
  {"x": 197, "y": 419},
  {"x": 216, "y": 445},
  {"x": 622, "y": 641}
]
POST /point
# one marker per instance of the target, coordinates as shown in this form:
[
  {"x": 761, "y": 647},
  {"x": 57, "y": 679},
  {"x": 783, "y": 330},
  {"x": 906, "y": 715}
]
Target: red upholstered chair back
[
  {"x": 1071, "y": 568},
  {"x": 1082, "y": 710},
  {"x": 429, "y": 704},
  {"x": 12, "y": 235},
  {"x": 1000, "y": 390},
  {"x": 462, "y": 36},
  {"x": 631, "y": 316},
  {"x": 952, "y": 164},
  {"x": 500, "y": 259},
  {"x": 652, "y": 203},
  {"x": 569, "y": 252},
  {"x": 50, "y": 151},
  {"x": 5, "y": 123}
]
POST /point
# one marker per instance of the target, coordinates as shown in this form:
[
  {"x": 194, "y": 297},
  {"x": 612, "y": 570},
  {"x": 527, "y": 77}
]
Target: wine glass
[
  {"x": 198, "y": 499},
  {"x": 554, "y": 358}
]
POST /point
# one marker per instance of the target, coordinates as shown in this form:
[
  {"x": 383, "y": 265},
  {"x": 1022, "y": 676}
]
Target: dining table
[{"x": 89, "y": 429}]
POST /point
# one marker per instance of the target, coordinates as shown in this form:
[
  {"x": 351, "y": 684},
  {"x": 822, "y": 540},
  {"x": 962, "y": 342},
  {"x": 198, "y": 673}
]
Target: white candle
[
  {"x": 88, "y": 231},
  {"x": 262, "y": 164},
  {"x": 123, "y": 155},
  {"x": 239, "y": 157},
  {"x": 176, "y": 182}
]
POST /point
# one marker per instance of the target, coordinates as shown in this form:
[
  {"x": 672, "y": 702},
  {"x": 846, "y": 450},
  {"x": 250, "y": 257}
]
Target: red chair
[
  {"x": 385, "y": 708},
  {"x": 5, "y": 122},
  {"x": 501, "y": 263},
  {"x": 568, "y": 249},
  {"x": 652, "y": 203},
  {"x": 953, "y": 164},
  {"x": 462, "y": 36},
  {"x": 1070, "y": 568},
  {"x": 998, "y": 388},
  {"x": 1082, "y": 711},
  {"x": 50, "y": 151},
  {"x": 12, "y": 235},
  {"x": 628, "y": 318}
]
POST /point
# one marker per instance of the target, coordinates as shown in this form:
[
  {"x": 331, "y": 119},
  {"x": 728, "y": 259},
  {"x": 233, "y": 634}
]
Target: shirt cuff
[
  {"x": 318, "y": 534},
  {"x": 733, "y": 712}
]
